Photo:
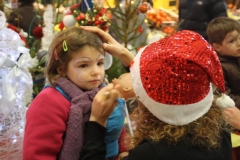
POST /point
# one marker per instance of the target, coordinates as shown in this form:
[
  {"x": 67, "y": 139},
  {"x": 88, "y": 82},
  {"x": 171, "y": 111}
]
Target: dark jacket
[
  {"x": 231, "y": 71},
  {"x": 196, "y": 14},
  {"x": 95, "y": 148},
  {"x": 28, "y": 20}
]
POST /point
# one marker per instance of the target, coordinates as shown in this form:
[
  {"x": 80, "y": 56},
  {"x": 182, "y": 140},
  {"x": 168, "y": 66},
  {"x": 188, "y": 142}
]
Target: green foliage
[
  {"x": 116, "y": 69},
  {"x": 37, "y": 72},
  {"x": 126, "y": 27}
]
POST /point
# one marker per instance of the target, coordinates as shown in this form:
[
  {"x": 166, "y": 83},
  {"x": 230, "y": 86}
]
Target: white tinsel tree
[
  {"x": 48, "y": 28},
  {"x": 15, "y": 91}
]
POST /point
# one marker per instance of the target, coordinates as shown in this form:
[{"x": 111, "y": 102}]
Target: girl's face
[{"x": 86, "y": 69}]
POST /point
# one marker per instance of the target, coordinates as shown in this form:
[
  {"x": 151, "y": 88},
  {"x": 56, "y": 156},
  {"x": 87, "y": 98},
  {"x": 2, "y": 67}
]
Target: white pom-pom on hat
[
  {"x": 69, "y": 20},
  {"x": 225, "y": 102}
]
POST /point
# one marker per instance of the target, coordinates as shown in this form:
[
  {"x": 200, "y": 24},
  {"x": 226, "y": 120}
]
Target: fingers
[
  {"x": 111, "y": 49},
  {"x": 232, "y": 116},
  {"x": 111, "y": 45},
  {"x": 104, "y": 35},
  {"x": 117, "y": 86},
  {"x": 107, "y": 93},
  {"x": 103, "y": 104},
  {"x": 112, "y": 92}
]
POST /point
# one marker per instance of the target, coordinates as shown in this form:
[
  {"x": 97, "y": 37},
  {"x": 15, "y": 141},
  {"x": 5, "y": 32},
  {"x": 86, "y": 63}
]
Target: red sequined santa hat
[{"x": 172, "y": 78}]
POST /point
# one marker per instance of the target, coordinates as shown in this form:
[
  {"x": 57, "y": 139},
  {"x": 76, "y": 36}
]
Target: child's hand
[
  {"x": 103, "y": 104},
  {"x": 111, "y": 45},
  {"x": 121, "y": 155},
  {"x": 232, "y": 116}
]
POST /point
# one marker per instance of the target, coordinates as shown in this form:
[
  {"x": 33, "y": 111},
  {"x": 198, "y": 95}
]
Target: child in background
[
  {"x": 224, "y": 36},
  {"x": 56, "y": 117}
]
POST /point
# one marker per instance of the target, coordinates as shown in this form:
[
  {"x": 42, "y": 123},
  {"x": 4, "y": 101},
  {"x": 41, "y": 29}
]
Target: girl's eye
[
  {"x": 231, "y": 41},
  {"x": 83, "y": 66},
  {"x": 100, "y": 63}
]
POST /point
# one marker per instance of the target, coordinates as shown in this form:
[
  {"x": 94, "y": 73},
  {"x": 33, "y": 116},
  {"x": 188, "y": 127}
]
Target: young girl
[{"x": 56, "y": 117}]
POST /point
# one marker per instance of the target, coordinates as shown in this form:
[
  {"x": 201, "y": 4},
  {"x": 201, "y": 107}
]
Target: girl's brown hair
[
  {"x": 76, "y": 39},
  {"x": 204, "y": 132}
]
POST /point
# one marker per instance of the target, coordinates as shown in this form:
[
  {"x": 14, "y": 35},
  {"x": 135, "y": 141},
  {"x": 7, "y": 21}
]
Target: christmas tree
[{"x": 129, "y": 28}]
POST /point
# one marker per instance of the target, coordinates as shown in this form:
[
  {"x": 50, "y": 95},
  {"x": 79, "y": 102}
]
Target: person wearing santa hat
[{"x": 177, "y": 119}]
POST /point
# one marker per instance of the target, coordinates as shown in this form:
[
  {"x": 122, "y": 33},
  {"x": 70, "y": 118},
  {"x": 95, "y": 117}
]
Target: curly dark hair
[{"x": 201, "y": 130}]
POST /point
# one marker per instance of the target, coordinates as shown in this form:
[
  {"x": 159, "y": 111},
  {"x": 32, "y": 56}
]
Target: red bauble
[
  {"x": 80, "y": 17},
  {"x": 143, "y": 8},
  {"x": 37, "y": 32}
]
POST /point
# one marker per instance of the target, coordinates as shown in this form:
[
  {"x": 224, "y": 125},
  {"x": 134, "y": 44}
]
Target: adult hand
[
  {"x": 103, "y": 105},
  {"x": 232, "y": 116},
  {"x": 111, "y": 45}
]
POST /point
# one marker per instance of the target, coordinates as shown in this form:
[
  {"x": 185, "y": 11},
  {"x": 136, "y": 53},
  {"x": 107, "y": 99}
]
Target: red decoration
[
  {"x": 23, "y": 40},
  {"x": 143, "y": 8},
  {"x": 140, "y": 29},
  {"x": 37, "y": 32},
  {"x": 20, "y": 32},
  {"x": 80, "y": 17},
  {"x": 14, "y": 28},
  {"x": 97, "y": 16},
  {"x": 61, "y": 26},
  {"x": 75, "y": 6}
]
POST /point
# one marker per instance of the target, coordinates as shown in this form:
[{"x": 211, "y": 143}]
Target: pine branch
[
  {"x": 117, "y": 30},
  {"x": 134, "y": 37},
  {"x": 114, "y": 11},
  {"x": 58, "y": 5}
]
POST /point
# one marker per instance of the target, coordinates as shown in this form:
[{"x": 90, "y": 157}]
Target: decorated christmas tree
[{"x": 129, "y": 28}]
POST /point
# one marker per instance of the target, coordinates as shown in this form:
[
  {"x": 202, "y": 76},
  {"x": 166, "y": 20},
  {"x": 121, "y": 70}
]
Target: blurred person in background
[
  {"x": 195, "y": 15},
  {"x": 26, "y": 19},
  {"x": 2, "y": 5}
]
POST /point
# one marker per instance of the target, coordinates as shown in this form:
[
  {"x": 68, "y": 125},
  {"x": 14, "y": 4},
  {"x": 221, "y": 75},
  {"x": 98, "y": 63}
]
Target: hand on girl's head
[
  {"x": 111, "y": 45},
  {"x": 103, "y": 35}
]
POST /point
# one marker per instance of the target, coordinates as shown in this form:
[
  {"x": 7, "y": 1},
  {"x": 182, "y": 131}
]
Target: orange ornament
[{"x": 143, "y": 8}]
